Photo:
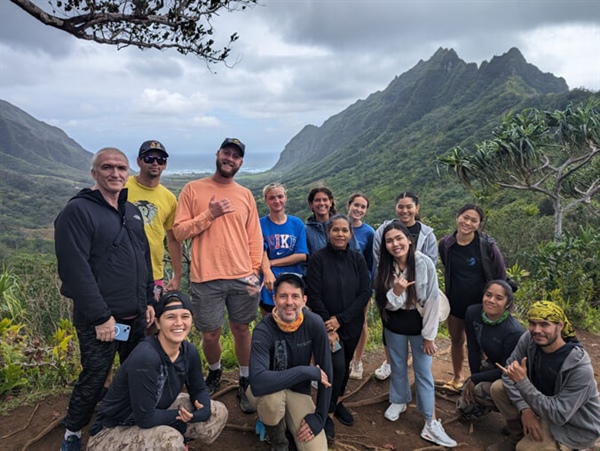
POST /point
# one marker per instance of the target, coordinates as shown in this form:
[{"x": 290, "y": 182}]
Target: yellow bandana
[
  {"x": 288, "y": 327},
  {"x": 549, "y": 311}
]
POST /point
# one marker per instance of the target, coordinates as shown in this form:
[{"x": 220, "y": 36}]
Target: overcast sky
[{"x": 296, "y": 63}]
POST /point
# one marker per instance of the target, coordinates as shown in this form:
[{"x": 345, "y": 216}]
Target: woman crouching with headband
[{"x": 144, "y": 405}]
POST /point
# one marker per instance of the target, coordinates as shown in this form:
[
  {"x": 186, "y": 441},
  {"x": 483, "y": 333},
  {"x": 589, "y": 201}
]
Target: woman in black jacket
[
  {"x": 493, "y": 332},
  {"x": 144, "y": 406},
  {"x": 338, "y": 288},
  {"x": 470, "y": 259}
]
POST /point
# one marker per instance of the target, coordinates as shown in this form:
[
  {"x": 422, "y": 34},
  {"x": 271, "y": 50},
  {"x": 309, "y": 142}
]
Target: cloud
[{"x": 296, "y": 62}]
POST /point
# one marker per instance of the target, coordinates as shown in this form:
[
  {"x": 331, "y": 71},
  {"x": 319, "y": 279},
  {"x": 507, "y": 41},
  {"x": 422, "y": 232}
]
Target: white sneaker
[
  {"x": 384, "y": 371},
  {"x": 356, "y": 370},
  {"x": 393, "y": 411},
  {"x": 315, "y": 385},
  {"x": 434, "y": 432}
]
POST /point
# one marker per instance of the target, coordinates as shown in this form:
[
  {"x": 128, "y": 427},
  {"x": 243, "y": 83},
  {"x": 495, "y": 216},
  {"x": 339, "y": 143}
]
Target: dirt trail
[{"x": 368, "y": 403}]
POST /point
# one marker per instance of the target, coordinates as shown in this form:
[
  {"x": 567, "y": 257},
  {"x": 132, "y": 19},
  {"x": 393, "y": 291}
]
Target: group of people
[{"x": 312, "y": 284}]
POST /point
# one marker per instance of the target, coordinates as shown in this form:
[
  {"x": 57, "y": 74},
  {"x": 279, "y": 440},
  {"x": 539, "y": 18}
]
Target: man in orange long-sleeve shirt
[{"x": 221, "y": 218}]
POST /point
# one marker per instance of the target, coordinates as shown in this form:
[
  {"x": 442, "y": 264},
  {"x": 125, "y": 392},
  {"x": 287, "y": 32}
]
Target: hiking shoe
[
  {"x": 71, "y": 443},
  {"x": 434, "y": 432},
  {"x": 329, "y": 429},
  {"x": 343, "y": 415},
  {"x": 277, "y": 437},
  {"x": 245, "y": 405},
  {"x": 213, "y": 380},
  {"x": 384, "y": 371},
  {"x": 394, "y": 410},
  {"x": 356, "y": 370}
]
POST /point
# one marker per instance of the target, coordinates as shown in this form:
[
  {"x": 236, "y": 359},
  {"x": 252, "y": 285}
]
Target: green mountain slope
[
  {"x": 41, "y": 169},
  {"x": 388, "y": 143}
]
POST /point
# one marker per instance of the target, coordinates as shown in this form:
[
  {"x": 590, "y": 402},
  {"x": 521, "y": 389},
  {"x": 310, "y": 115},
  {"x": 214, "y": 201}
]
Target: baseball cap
[
  {"x": 170, "y": 297},
  {"x": 289, "y": 277},
  {"x": 147, "y": 146},
  {"x": 234, "y": 142}
]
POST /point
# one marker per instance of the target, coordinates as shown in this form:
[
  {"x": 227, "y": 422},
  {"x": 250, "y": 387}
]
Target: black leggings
[
  {"x": 97, "y": 358},
  {"x": 341, "y": 369}
]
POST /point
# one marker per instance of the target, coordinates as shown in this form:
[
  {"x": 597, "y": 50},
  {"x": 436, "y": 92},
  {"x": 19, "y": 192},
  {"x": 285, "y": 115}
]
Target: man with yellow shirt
[
  {"x": 158, "y": 206},
  {"x": 220, "y": 217}
]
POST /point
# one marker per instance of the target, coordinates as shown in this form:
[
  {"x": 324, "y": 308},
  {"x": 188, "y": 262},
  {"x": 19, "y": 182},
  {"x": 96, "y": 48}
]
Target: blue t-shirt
[
  {"x": 281, "y": 240},
  {"x": 364, "y": 237}
]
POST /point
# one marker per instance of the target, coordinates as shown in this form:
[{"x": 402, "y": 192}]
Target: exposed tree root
[
  {"x": 224, "y": 391},
  {"x": 24, "y": 427},
  {"x": 368, "y": 402},
  {"x": 237, "y": 427},
  {"x": 46, "y": 431},
  {"x": 364, "y": 382}
]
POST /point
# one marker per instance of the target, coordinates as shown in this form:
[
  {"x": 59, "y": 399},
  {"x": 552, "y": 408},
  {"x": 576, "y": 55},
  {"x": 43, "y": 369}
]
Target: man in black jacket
[
  {"x": 281, "y": 373},
  {"x": 104, "y": 265}
]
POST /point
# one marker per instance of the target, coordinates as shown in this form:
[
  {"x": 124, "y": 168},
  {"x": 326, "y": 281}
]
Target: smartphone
[
  {"x": 122, "y": 332},
  {"x": 337, "y": 346}
]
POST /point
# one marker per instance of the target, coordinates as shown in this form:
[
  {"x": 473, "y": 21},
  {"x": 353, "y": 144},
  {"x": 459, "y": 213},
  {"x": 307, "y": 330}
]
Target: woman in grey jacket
[
  {"x": 406, "y": 293},
  {"x": 407, "y": 209}
]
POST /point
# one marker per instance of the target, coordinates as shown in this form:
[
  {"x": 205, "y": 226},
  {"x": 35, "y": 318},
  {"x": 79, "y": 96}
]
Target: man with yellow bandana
[
  {"x": 281, "y": 373},
  {"x": 548, "y": 394}
]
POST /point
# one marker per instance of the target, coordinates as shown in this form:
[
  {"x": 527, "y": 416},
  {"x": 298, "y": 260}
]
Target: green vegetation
[{"x": 554, "y": 153}]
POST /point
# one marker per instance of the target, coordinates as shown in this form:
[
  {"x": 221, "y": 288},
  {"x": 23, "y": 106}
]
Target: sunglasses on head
[{"x": 149, "y": 159}]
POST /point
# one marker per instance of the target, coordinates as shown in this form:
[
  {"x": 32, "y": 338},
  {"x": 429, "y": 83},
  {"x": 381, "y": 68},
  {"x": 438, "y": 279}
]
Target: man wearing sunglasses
[{"x": 158, "y": 206}]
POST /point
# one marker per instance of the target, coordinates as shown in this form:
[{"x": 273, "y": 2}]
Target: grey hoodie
[{"x": 574, "y": 411}]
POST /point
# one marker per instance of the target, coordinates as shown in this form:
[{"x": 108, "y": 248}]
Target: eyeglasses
[{"x": 149, "y": 159}]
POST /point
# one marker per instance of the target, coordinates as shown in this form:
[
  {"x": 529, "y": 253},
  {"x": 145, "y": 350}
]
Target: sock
[
  {"x": 69, "y": 433},
  {"x": 215, "y": 366},
  {"x": 244, "y": 371}
]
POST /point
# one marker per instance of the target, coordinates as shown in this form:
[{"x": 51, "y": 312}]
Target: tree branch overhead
[{"x": 183, "y": 25}]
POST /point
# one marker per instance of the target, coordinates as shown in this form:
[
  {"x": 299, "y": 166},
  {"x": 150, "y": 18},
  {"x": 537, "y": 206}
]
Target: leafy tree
[
  {"x": 184, "y": 25},
  {"x": 553, "y": 153}
]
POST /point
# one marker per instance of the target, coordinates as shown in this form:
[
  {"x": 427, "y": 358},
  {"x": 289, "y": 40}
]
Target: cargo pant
[
  {"x": 163, "y": 438},
  {"x": 293, "y": 407}
]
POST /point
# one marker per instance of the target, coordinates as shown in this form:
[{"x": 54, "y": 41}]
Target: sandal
[{"x": 451, "y": 385}]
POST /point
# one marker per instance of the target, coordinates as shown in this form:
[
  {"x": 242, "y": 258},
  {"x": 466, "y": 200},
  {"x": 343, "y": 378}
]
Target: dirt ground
[{"x": 370, "y": 431}]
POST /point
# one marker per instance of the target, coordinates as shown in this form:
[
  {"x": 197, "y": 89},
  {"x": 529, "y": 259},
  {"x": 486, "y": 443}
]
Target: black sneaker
[
  {"x": 213, "y": 380},
  {"x": 329, "y": 429},
  {"x": 343, "y": 415},
  {"x": 245, "y": 405}
]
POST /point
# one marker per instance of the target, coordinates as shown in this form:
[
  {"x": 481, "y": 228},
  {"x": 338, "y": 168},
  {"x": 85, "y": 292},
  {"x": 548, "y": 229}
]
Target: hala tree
[
  {"x": 553, "y": 153},
  {"x": 183, "y": 25}
]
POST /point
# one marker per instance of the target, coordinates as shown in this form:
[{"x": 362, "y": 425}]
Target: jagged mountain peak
[{"x": 441, "y": 82}]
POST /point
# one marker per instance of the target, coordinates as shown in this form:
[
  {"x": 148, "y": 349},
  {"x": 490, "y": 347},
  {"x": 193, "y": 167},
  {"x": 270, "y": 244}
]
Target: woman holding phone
[{"x": 338, "y": 289}]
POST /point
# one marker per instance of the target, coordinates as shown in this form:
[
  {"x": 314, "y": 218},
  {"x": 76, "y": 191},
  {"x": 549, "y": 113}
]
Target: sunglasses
[{"x": 149, "y": 159}]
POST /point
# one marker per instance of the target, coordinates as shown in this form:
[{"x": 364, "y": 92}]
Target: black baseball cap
[
  {"x": 234, "y": 142},
  {"x": 168, "y": 298},
  {"x": 290, "y": 277},
  {"x": 147, "y": 146}
]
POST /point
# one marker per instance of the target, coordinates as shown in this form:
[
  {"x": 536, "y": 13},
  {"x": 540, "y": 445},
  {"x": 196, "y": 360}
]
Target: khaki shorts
[{"x": 209, "y": 300}]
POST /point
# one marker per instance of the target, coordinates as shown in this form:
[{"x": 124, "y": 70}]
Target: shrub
[{"x": 567, "y": 272}]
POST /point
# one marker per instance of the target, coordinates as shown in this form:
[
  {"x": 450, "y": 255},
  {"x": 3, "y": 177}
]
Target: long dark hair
[
  {"x": 322, "y": 189},
  {"x": 384, "y": 277}
]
